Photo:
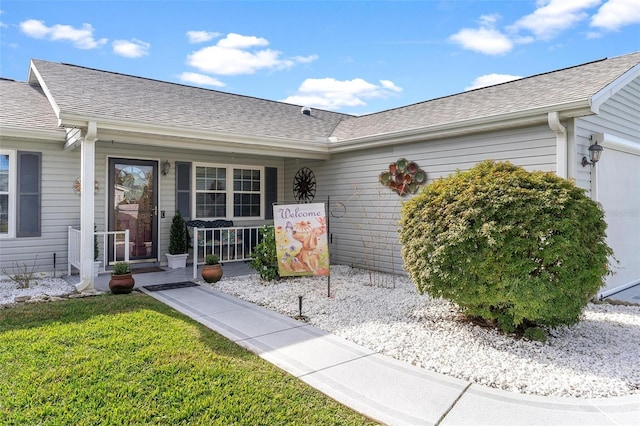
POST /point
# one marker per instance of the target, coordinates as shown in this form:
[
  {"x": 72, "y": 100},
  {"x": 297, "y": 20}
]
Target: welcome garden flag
[{"x": 301, "y": 239}]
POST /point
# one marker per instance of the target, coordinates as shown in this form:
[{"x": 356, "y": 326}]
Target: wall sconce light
[
  {"x": 166, "y": 166},
  {"x": 595, "y": 151}
]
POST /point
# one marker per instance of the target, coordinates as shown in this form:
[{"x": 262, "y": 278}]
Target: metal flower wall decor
[{"x": 403, "y": 177}]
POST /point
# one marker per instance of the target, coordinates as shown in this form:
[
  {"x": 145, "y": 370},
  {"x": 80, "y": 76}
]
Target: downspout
[
  {"x": 87, "y": 207},
  {"x": 553, "y": 118}
]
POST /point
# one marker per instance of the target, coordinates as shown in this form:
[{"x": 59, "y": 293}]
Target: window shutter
[
  {"x": 28, "y": 194},
  {"x": 183, "y": 189},
  {"x": 271, "y": 191}
]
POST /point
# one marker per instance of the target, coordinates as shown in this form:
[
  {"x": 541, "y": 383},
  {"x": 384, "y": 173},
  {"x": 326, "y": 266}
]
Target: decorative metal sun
[{"x": 304, "y": 185}]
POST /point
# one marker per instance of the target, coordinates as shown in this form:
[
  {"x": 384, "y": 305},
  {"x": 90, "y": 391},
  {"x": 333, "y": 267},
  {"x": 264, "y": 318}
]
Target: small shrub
[
  {"x": 264, "y": 258},
  {"x": 212, "y": 259},
  {"x": 177, "y": 238},
  {"x": 516, "y": 247},
  {"x": 121, "y": 268},
  {"x": 22, "y": 274}
]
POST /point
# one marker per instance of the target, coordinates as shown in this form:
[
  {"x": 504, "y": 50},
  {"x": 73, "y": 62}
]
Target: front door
[{"x": 133, "y": 205}]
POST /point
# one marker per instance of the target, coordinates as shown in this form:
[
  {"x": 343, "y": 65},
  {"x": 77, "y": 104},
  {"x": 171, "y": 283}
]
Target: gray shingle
[
  {"x": 107, "y": 95},
  {"x": 539, "y": 91},
  {"x": 25, "y": 106}
]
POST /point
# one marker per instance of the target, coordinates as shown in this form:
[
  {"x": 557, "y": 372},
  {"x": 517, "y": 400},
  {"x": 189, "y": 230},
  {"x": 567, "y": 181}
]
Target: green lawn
[{"x": 130, "y": 359}]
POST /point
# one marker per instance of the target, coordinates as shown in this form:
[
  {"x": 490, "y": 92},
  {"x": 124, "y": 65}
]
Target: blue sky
[{"x": 352, "y": 57}]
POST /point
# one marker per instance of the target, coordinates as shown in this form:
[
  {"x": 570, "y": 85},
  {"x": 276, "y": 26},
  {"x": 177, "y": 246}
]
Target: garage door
[{"x": 617, "y": 177}]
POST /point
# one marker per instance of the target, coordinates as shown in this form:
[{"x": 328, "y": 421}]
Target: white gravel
[{"x": 596, "y": 358}]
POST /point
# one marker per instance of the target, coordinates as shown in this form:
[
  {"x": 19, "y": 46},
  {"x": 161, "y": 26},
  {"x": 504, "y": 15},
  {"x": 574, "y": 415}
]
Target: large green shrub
[
  {"x": 264, "y": 258},
  {"x": 514, "y": 247}
]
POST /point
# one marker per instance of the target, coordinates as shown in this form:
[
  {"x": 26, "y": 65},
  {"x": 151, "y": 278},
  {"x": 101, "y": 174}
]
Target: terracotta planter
[
  {"x": 212, "y": 273},
  {"x": 121, "y": 284}
]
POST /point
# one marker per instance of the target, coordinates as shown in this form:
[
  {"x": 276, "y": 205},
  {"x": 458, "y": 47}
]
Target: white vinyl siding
[
  {"x": 364, "y": 215},
  {"x": 614, "y": 181}
]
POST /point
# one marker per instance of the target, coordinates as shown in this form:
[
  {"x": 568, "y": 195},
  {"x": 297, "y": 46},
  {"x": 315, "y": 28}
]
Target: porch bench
[{"x": 217, "y": 238}]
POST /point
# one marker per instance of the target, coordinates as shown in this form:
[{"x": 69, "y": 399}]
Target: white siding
[
  {"x": 60, "y": 209},
  {"x": 617, "y": 180},
  {"x": 61, "y": 205},
  {"x": 367, "y": 234}
]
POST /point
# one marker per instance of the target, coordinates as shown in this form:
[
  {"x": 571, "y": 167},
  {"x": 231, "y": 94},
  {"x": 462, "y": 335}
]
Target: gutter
[
  {"x": 483, "y": 124},
  {"x": 553, "y": 119}
]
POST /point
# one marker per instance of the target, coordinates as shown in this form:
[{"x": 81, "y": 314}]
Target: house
[{"x": 151, "y": 148}]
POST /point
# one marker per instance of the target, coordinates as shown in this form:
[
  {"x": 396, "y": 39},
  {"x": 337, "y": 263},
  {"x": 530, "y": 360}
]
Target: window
[
  {"x": 228, "y": 191},
  {"x": 6, "y": 191},
  {"x": 246, "y": 193}
]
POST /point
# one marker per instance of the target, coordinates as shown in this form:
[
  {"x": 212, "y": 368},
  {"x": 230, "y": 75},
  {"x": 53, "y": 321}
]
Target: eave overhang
[
  {"x": 189, "y": 138},
  {"x": 464, "y": 127},
  {"x": 33, "y": 134}
]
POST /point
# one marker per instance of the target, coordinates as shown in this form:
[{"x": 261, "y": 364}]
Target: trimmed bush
[
  {"x": 177, "y": 238},
  {"x": 513, "y": 247}
]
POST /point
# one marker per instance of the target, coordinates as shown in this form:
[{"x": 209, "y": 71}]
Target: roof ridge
[{"x": 190, "y": 86}]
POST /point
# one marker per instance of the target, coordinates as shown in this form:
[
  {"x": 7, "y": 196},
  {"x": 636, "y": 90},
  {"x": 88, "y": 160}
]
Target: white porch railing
[
  {"x": 121, "y": 247},
  {"x": 233, "y": 244}
]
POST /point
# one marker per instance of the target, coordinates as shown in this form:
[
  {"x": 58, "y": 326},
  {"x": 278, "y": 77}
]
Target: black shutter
[
  {"x": 271, "y": 191},
  {"x": 183, "y": 189},
  {"x": 28, "y": 194}
]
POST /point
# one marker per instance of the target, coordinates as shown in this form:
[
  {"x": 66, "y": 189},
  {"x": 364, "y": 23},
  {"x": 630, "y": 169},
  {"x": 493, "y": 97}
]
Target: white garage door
[{"x": 618, "y": 190}]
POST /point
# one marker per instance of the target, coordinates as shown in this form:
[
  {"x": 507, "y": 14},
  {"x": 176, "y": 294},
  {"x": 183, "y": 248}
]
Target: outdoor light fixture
[
  {"x": 595, "y": 151},
  {"x": 166, "y": 166}
]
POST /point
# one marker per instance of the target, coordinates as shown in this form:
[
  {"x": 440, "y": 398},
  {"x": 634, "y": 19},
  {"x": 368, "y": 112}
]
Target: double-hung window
[
  {"x": 7, "y": 193},
  {"x": 228, "y": 191}
]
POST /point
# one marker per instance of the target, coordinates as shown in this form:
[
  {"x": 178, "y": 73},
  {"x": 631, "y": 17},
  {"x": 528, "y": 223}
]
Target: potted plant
[
  {"x": 122, "y": 281},
  {"x": 177, "y": 256},
  {"x": 212, "y": 269}
]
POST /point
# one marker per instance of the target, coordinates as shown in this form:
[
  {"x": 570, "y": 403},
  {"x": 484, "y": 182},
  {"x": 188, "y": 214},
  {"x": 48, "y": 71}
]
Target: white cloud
[
  {"x": 490, "y": 80},
  {"x": 332, "y": 94},
  {"x": 81, "y": 38},
  {"x": 239, "y": 41},
  {"x": 554, "y": 16},
  {"x": 201, "y": 36},
  {"x": 485, "y": 39},
  {"x": 200, "y": 79},
  {"x": 131, "y": 49},
  {"x": 616, "y": 14},
  {"x": 239, "y": 54}
]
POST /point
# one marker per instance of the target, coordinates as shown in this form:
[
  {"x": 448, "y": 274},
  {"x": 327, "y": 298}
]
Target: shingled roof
[
  {"x": 79, "y": 93},
  {"x": 25, "y": 107},
  {"x": 550, "y": 91},
  {"x": 103, "y": 95}
]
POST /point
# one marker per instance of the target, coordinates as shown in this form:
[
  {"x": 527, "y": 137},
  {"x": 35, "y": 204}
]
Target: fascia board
[
  {"x": 611, "y": 89},
  {"x": 154, "y": 135},
  {"x": 22, "y": 133},
  {"x": 459, "y": 128},
  {"x": 36, "y": 78}
]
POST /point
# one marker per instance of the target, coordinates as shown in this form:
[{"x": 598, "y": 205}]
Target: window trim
[
  {"x": 229, "y": 191},
  {"x": 11, "y": 208}
]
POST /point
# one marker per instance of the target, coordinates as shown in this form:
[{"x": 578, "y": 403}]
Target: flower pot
[
  {"x": 175, "y": 261},
  {"x": 121, "y": 284},
  {"x": 212, "y": 273},
  {"x": 96, "y": 267}
]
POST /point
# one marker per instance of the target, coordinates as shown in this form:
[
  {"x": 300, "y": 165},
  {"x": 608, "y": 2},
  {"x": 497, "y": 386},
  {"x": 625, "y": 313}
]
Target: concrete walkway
[
  {"x": 382, "y": 388},
  {"x": 387, "y": 390}
]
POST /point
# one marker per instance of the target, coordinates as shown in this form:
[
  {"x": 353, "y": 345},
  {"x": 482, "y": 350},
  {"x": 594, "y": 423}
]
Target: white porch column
[{"x": 87, "y": 207}]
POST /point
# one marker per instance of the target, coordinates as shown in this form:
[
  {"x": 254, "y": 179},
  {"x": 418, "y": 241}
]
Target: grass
[{"x": 130, "y": 359}]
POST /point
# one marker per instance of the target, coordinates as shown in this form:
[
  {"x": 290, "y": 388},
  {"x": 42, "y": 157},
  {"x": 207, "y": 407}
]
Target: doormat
[
  {"x": 145, "y": 270},
  {"x": 170, "y": 286}
]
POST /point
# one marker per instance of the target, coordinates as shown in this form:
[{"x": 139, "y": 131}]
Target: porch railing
[
  {"x": 233, "y": 244},
  {"x": 117, "y": 240}
]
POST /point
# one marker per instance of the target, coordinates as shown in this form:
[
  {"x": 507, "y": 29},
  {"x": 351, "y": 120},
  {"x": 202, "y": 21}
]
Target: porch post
[{"x": 87, "y": 207}]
